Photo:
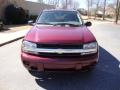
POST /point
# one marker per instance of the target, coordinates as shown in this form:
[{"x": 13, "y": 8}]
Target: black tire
[
  {"x": 88, "y": 68},
  {"x": 36, "y": 73}
]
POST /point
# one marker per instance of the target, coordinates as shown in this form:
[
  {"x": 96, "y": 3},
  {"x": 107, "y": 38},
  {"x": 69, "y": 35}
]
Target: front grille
[
  {"x": 55, "y": 55},
  {"x": 59, "y": 46}
]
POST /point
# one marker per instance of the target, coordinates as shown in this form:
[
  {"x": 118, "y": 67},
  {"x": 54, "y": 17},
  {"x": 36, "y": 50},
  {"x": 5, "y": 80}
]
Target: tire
[
  {"x": 88, "y": 68},
  {"x": 36, "y": 73}
]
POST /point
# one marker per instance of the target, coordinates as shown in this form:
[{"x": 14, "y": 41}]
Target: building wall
[
  {"x": 18, "y": 3},
  {"x": 35, "y": 8},
  {"x": 3, "y": 4}
]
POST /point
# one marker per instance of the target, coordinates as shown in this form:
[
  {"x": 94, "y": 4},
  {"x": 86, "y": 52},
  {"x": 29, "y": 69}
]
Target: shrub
[
  {"x": 33, "y": 17},
  {"x": 15, "y": 15}
]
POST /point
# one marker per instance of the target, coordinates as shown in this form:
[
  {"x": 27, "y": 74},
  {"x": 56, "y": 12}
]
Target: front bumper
[{"x": 32, "y": 62}]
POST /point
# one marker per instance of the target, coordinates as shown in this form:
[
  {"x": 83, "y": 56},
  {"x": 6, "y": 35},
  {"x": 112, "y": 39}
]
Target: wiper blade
[
  {"x": 60, "y": 23},
  {"x": 71, "y": 24},
  {"x": 46, "y": 23}
]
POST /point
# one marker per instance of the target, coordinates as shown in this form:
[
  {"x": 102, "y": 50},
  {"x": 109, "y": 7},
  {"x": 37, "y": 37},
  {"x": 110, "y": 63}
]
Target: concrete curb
[{"x": 10, "y": 41}]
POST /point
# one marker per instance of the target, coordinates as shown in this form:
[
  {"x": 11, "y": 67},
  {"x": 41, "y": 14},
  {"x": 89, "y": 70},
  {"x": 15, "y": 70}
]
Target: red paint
[{"x": 62, "y": 35}]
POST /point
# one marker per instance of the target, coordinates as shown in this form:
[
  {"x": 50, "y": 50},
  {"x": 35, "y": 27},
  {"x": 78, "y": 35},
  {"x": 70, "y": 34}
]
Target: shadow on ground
[
  {"x": 4, "y": 29},
  {"x": 106, "y": 76}
]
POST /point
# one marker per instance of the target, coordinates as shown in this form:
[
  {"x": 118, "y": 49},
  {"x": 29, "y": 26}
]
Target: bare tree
[
  {"x": 53, "y": 2},
  {"x": 70, "y": 3},
  {"x": 66, "y": 3},
  {"x": 97, "y": 7},
  {"x": 41, "y": 1},
  {"x": 104, "y": 9},
  {"x": 88, "y": 5},
  {"x": 91, "y": 6},
  {"x": 117, "y": 11},
  {"x": 76, "y": 5}
]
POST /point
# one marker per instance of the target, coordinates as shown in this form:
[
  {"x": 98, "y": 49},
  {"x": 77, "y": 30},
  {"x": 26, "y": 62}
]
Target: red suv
[{"x": 59, "y": 40}]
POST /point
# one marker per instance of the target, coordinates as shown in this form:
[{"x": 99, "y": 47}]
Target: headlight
[
  {"x": 90, "y": 45},
  {"x": 90, "y": 48},
  {"x": 28, "y": 47}
]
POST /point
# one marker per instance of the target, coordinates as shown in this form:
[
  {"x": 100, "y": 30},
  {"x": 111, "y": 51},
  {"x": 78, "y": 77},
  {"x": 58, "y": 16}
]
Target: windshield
[{"x": 60, "y": 18}]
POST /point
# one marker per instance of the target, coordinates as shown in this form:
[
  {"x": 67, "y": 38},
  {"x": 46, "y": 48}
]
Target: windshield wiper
[
  {"x": 46, "y": 23},
  {"x": 71, "y": 24},
  {"x": 60, "y": 23}
]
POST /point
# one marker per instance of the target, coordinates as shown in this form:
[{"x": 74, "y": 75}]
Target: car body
[{"x": 62, "y": 42}]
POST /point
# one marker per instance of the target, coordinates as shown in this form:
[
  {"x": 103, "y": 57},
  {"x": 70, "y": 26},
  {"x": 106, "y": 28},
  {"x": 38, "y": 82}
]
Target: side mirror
[
  {"x": 88, "y": 24},
  {"x": 31, "y": 22}
]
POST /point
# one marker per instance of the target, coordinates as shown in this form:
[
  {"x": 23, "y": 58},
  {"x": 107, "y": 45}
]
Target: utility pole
[{"x": 104, "y": 10}]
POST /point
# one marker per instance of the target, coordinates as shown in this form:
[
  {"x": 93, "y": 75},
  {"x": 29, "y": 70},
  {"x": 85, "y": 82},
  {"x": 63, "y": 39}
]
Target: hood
[{"x": 59, "y": 35}]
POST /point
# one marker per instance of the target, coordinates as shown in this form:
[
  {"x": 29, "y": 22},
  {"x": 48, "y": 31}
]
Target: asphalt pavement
[{"x": 106, "y": 75}]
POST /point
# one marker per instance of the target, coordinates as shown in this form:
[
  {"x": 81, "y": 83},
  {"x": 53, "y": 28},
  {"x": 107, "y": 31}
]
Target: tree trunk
[
  {"x": 117, "y": 11},
  {"x": 96, "y": 8},
  {"x": 104, "y": 9},
  {"x": 91, "y": 4},
  {"x": 88, "y": 9},
  {"x": 66, "y": 4}
]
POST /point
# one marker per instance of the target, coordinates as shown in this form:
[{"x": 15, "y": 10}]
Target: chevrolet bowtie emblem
[{"x": 60, "y": 51}]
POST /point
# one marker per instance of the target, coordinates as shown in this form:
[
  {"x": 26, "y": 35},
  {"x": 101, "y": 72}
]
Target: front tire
[{"x": 36, "y": 73}]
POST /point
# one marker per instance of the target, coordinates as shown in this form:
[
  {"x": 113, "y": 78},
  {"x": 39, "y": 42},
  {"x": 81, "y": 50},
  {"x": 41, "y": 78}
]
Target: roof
[{"x": 59, "y": 10}]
